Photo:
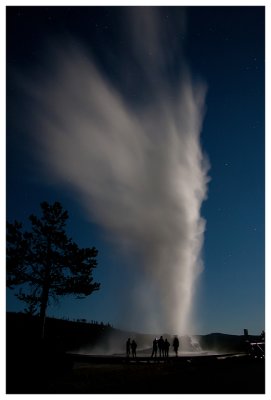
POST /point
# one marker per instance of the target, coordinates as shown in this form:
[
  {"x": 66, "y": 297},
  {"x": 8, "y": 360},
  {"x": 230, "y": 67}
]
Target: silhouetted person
[
  {"x": 128, "y": 347},
  {"x": 154, "y": 348},
  {"x": 161, "y": 346},
  {"x": 176, "y": 345},
  {"x": 166, "y": 347},
  {"x": 133, "y": 346}
]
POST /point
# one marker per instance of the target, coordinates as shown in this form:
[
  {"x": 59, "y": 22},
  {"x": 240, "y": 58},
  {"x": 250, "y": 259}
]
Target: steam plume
[{"x": 137, "y": 168}]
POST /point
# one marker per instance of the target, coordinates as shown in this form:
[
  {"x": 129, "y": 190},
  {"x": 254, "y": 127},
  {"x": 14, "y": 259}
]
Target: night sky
[{"x": 224, "y": 47}]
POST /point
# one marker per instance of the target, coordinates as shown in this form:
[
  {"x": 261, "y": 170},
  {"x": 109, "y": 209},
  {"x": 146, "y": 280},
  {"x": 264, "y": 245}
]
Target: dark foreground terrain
[
  {"x": 47, "y": 367},
  {"x": 233, "y": 375},
  {"x": 187, "y": 376},
  {"x": 221, "y": 377}
]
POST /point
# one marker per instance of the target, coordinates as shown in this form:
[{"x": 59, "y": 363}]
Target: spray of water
[{"x": 137, "y": 168}]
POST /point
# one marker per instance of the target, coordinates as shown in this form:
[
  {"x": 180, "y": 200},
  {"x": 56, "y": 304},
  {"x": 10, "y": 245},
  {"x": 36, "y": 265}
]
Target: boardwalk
[{"x": 120, "y": 359}]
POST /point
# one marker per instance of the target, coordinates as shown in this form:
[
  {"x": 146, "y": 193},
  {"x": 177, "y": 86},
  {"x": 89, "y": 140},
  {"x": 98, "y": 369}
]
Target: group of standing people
[
  {"x": 163, "y": 347},
  {"x": 158, "y": 344},
  {"x": 131, "y": 347}
]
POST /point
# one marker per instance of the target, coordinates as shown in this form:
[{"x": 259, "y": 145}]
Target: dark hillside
[
  {"x": 221, "y": 342},
  {"x": 23, "y": 330}
]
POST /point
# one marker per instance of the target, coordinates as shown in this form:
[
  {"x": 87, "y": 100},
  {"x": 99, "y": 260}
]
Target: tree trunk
[
  {"x": 45, "y": 289},
  {"x": 43, "y": 307}
]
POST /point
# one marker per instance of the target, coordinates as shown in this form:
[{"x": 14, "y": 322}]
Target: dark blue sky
[{"x": 224, "y": 46}]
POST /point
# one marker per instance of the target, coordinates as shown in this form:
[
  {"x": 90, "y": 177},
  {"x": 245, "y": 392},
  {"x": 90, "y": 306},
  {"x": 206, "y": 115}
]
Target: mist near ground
[{"x": 113, "y": 343}]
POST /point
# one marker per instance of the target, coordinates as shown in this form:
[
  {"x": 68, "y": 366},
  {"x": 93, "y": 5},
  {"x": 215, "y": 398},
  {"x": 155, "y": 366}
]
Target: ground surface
[{"x": 237, "y": 375}]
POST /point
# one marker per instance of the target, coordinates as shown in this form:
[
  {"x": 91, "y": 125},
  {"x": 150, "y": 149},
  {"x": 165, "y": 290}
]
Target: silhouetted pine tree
[{"x": 45, "y": 263}]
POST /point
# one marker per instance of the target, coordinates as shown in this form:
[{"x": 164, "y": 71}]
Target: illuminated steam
[{"x": 137, "y": 167}]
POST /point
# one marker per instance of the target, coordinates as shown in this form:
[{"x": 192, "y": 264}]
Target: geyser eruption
[{"x": 136, "y": 166}]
